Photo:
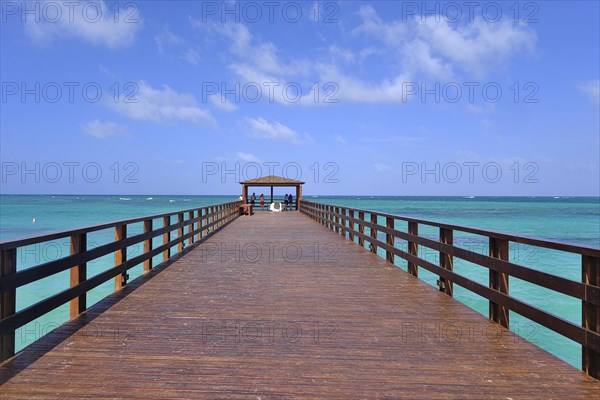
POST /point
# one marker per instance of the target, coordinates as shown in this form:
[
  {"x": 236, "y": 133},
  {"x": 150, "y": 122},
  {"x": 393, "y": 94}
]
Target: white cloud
[
  {"x": 102, "y": 130},
  {"x": 340, "y": 139},
  {"x": 247, "y": 157},
  {"x": 92, "y": 22},
  {"x": 477, "y": 47},
  {"x": 262, "y": 129},
  {"x": 355, "y": 90},
  {"x": 259, "y": 63},
  {"x": 406, "y": 51},
  {"x": 167, "y": 38},
  {"x": 339, "y": 53},
  {"x": 591, "y": 89},
  {"x": 372, "y": 25},
  {"x": 160, "y": 105},
  {"x": 191, "y": 55},
  {"x": 382, "y": 167},
  {"x": 437, "y": 46},
  {"x": 222, "y": 103},
  {"x": 172, "y": 45},
  {"x": 418, "y": 57}
]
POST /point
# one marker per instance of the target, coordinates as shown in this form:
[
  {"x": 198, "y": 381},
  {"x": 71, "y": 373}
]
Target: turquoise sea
[{"x": 569, "y": 219}]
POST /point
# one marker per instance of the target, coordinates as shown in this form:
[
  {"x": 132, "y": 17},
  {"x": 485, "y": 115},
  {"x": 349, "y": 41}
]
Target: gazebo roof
[{"x": 272, "y": 180}]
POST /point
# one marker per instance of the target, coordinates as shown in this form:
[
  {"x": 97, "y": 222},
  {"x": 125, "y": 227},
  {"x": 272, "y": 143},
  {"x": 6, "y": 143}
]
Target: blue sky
[{"x": 379, "y": 98}]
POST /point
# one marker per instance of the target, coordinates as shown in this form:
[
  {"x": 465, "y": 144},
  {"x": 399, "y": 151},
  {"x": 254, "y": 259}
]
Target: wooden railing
[
  {"x": 351, "y": 223},
  {"x": 200, "y": 222}
]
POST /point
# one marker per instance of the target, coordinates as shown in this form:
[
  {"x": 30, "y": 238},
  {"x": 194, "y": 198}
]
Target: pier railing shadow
[{"x": 364, "y": 227}]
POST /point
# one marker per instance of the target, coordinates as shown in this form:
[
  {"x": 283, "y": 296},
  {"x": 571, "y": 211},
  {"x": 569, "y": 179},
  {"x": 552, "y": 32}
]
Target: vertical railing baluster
[
  {"x": 389, "y": 239},
  {"x": 322, "y": 214},
  {"x": 361, "y": 228},
  {"x": 413, "y": 248},
  {"x": 166, "y": 238},
  {"x": 590, "y": 275},
  {"x": 446, "y": 260},
  {"x": 199, "y": 226},
  {"x": 8, "y": 303},
  {"x": 336, "y": 219},
  {"x": 351, "y": 225},
  {"x": 120, "y": 256},
  {"x": 373, "y": 246},
  {"x": 499, "y": 281},
  {"x": 148, "y": 245},
  {"x": 342, "y": 211},
  {"x": 191, "y": 228},
  {"x": 78, "y": 274},
  {"x": 180, "y": 244}
]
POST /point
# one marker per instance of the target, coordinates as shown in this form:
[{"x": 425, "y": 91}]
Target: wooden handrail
[
  {"x": 198, "y": 220},
  {"x": 14, "y": 243},
  {"x": 500, "y": 268}
]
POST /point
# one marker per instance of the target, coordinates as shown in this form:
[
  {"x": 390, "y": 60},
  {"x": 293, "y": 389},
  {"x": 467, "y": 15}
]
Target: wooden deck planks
[{"x": 276, "y": 306}]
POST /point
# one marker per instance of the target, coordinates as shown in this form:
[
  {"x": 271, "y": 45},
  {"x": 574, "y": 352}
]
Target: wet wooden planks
[{"x": 275, "y": 306}]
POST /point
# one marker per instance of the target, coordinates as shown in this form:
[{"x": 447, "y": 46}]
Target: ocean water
[{"x": 569, "y": 219}]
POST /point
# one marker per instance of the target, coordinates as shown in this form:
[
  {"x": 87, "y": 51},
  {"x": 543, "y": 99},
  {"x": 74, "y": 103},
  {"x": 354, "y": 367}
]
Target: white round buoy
[{"x": 33, "y": 220}]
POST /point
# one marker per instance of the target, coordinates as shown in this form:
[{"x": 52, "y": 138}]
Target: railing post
[
  {"x": 590, "y": 274},
  {"x": 203, "y": 222},
  {"x": 342, "y": 211},
  {"x": 191, "y": 228},
  {"x": 351, "y": 225},
  {"x": 373, "y": 233},
  {"x": 8, "y": 303},
  {"x": 389, "y": 239},
  {"x": 181, "y": 243},
  {"x": 361, "y": 228},
  {"x": 78, "y": 275},
  {"x": 166, "y": 238},
  {"x": 446, "y": 261},
  {"x": 499, "y": 281},
  {"x": 336, "y": 219},
  {"x": 413, "y": 248},
  {"x": 120, "y": 256},
  {"x": 147, "y": 245}
]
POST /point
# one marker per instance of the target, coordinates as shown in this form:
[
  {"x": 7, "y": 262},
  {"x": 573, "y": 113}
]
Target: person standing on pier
[
  {"x": 253, "y": 199},
  {"x": 262, "y": 201},
  {"x": 291, "y": 201}
]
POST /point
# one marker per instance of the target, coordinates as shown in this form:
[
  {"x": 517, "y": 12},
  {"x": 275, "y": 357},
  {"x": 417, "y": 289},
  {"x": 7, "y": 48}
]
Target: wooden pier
[{"x": 277, "y": 306}]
